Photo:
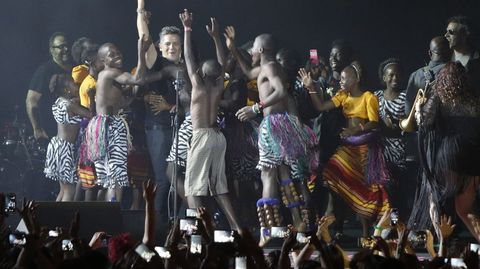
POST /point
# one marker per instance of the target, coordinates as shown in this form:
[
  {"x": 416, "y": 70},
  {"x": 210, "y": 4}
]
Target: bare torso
[
  {"x": 265, "y": 89},
  {"x": 204, "y": 104},
  {"x": 109, "y": 98}
]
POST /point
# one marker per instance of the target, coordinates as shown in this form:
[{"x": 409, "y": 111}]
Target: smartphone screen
[
  {"x": 53, "y": 233},
  {"x": 188, "y": 225},
  {"x": 191, "y": 213},
  {"x": 240, "y": 262},
  {"x": 314, "y": 57},
  {"x": 67, "y": 245},
  {"x": 302, "y": 238},
  {"x": 394, "y": 217},
  {"x": 163, "y": 252},
  {"x": 17, "y": 239},
  {"x": 279, "y": 232},
  {"x": 196, "y": 244},
  {"x": 10, "y": 202},
  {"x": 222, "y": 236},
  {"x": 144, "y": 252}
]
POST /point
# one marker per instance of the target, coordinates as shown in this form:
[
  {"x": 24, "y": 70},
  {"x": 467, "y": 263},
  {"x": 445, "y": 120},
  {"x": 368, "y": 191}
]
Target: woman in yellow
[{"x": 357, "y": 170}]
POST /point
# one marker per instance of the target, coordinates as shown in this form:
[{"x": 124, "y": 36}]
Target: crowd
[{"x": 312, "y": 137}]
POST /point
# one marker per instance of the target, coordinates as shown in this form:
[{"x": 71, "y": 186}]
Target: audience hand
[
  {"x": 186, "y": 18},
  {"x": 230, "y": 37},
  {"x": 305, "y": 78},
  {"x": 149, "y": 191},
  {"x": 245, "y": 113},
  {"x": 446, "y": 227},
  {"x": 213, "y": 30}
]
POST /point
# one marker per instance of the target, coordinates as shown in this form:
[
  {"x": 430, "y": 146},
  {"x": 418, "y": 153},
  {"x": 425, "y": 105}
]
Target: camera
[
  {"x": 279, "y": 232},
  {"x": 189, "y": 226},
  {"x": 394, "y": 217},
  {"x": 10, "y": 202},
  {"x": 67, "y": 245},
  {"x": 105, "y": 239}
]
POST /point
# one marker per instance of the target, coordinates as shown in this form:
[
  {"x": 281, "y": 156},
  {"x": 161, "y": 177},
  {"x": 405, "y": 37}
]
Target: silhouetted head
[
  {"x": 263, "y": 44},
  {"x": 210, "y": 70},
  {"x": 439, "y": 49}
]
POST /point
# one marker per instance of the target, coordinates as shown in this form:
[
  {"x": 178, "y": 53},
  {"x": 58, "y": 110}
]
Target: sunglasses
[
  {"x": 61, "y": 47},
  {"x": 451, "y": 32}
]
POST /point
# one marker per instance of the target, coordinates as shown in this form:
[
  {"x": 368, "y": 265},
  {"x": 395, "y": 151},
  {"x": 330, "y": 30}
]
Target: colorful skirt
[{"x": 349, "y": 174}]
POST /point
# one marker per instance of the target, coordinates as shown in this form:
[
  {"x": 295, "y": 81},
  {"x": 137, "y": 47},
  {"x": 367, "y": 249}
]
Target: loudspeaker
[{"x": 94, "y": 217}]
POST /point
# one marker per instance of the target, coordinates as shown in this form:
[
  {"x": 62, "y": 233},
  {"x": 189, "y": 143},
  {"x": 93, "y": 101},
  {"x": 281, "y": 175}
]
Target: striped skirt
[
  {"x": 345, "y": 175},
  {"x": 60, "y": 162}
]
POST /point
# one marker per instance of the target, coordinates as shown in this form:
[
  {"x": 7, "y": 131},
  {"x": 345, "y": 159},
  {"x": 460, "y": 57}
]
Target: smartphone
[
  {"x": 67, "y": 245},
  {"x": 457, "y": 262},
  {"x": 474, "y": 247},
  {"x": 191, "y": 213},
  {"x": 394, "y": 217},
  {"x": 222, "y": 236},
  {"x": 279, "y": 232},
  {"x": 144, "y": 252},
  {"x": 196, "y": 244},
  {"x": 302, "y": 238},
  {"x": 314, "y": 57},
  {"x": 188, "y": 225},
  {"x": 163, "y": 252},
  {"x": 17, "y": 238},
  {"x": 52, "y": 233},
  {"x": 105, "y": 240},
  {"x": 418, "y": 239},
  {"x": 10, "y": 202},
  {"x": 240, "y": 262}
]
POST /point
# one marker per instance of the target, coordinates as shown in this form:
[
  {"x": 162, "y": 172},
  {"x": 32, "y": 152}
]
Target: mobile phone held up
[{"x": 314, "y": 57}]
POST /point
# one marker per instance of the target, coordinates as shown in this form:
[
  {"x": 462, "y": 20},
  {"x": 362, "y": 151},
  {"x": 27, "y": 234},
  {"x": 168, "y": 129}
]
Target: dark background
[{"x": 377, "y": 29}]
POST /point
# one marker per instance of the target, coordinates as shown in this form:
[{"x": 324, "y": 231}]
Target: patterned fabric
[
  {"x": 283, "y": 139},
  {"x": 345, "y": 175},
  {"x": 185, "y": 134},
  {"x": 107, "y": 136},
  {"x": 60, "y": 114},
  {"x": 60, "y": 161},
  {"x": 394, "y": 147}
]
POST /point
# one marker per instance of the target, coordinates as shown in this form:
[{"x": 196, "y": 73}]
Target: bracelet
[
  {"x": 312, "y": 92},
  {"x": 187, "y": 29},
  {"x": 377, "y": 227},
  {"x": 256, "y": 108}
]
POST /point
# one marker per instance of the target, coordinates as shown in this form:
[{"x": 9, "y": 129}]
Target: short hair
[
  {"x": 466, "y": 24},
  {"x": 89, "y": 54},
  {"x": 169, "y": 30},
  {"x": 383, "y": 66},
  {"x": 77, "y": 48},
  {"x": 346, "y": 48},
  {"x": 269, "y": 42},
  {"x": 53, "y": 36}
]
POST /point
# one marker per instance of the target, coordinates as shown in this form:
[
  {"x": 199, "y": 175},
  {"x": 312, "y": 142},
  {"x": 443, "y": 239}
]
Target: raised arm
[
  {"x": 317, "y": 97},
  {"x": 138, "y": 78},
  {"x": 251, "y": 73},
  {"x": 142, "y": 27},
  {"x": 213, "y": 31},
  {"x": 187, "y": 19},
  {"x": 149, "y": 191}
]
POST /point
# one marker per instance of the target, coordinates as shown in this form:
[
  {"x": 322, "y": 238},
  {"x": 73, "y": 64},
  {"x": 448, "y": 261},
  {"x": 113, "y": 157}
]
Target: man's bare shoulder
[
  {"x": 110, "y": 73},
  {"x": 272, "y": 68}
]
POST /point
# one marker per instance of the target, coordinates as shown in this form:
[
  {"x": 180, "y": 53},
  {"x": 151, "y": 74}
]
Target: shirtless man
[
  {"x": 282, "y": 140},
  {"x": 205, "y": 171},
  {"x": 110, "y": 156}
]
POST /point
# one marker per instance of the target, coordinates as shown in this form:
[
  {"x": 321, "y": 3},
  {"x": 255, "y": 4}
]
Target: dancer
[
  {"x": 60, "y": 163},
  {"x": 205, "y": 171}
]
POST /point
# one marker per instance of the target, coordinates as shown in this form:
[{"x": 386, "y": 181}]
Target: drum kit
[{"x": 22, "y": 158}]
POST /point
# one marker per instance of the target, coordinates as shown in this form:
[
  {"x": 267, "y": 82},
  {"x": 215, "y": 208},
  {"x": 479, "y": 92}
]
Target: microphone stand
[{"x": 178, "y": 83}]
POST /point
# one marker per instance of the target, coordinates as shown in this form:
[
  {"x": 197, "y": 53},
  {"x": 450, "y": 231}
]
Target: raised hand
[
  {"x": 230, "y": 37},
  {"x": 149, "y": 191},
  {"x": 305, "y": 77},
  {"x": 186, "y": 18},
  {"x": 446, "y": 227},
  {"x": 213, "y": 30}
]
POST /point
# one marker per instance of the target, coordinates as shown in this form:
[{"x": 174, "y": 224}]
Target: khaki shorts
[{"x": 205, "y": 172}]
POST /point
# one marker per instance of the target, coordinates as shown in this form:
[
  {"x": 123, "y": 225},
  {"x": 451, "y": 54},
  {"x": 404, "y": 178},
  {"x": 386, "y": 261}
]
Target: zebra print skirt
[
  {"x": 185, "y": 135},
  {"x": 60, "y": 162}
]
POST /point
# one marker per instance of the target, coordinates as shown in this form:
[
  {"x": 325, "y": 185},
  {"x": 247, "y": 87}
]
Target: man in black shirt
[
  {"x": 39, "y": 99},
  {"x": 160, "y": 99}
]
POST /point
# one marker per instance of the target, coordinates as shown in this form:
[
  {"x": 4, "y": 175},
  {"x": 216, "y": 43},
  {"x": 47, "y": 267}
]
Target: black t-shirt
[
  {"x": 162, "y": 87},
  {"x": 39, "y": 83}
]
